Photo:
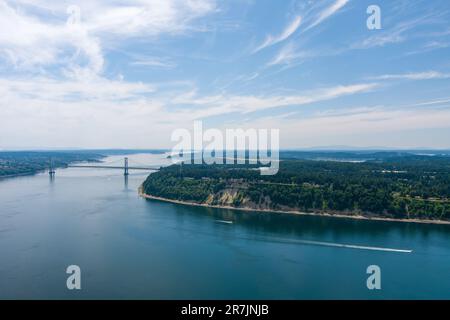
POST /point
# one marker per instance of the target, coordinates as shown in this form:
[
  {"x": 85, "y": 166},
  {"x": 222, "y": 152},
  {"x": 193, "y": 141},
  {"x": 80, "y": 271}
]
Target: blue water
[{"x": 128, "y": 247}]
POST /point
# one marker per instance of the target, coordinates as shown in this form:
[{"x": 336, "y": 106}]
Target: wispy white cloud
[
  {"x": 38, "y": 42},
  {"x": 432, "y": 102},
  {"x": 56, "y": 87},
  {"x": 430, "y": 46},
  {"x": 35, "y": 43},
  {"x": 388, "y": 37},
  {"x": 95, "y": 112},
  {"x": 366, "y": 126},
  {"x": 223, "y": 104},
  {"x": 287, "y": 32},
  {"x": 154, "y": 62},
  {"x": 88, "y": 113},
  {"x": 289, "y": 55},
  {"x": 152, "y": 17},
  {"x": 397, "y": 34},
  {"x": 327, "y": 13},
  {"x": 49, "y": 89},
  {"x": 428, "y": 75}
]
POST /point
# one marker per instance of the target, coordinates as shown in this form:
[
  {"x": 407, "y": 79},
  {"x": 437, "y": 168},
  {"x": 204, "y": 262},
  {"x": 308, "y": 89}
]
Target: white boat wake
[
  {"x": 224, "y": 221},
  {"x": 339, "y": 245}
]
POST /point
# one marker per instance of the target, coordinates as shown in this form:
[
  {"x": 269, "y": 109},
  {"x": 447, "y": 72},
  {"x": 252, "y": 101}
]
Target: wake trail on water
[
  {"x": 337, "y": 245},
  {"x": 224, "y": 221},
  {"x": 302, "y": 242}
]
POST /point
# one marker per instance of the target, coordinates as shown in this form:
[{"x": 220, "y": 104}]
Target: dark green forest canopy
[{"x": 398, "y": 185}]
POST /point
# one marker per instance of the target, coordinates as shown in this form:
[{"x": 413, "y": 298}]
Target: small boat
[{"x": 224, "y": 221}]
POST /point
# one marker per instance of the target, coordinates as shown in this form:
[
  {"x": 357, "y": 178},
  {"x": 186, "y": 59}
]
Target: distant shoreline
[
  {"x": 357, "y": 217},
  {"x": 22, "y": 174},
  {"x": 45, "y": 170}
]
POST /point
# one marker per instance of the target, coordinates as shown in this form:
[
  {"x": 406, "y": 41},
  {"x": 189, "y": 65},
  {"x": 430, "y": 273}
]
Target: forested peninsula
[{"x": 404, "y": 187}]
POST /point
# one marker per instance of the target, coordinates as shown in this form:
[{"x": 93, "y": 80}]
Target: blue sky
[{"x": 125, "y": 74}]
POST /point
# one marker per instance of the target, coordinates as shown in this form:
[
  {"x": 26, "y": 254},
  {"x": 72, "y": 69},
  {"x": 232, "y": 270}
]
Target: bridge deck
[{"x": 114, "y": 167}]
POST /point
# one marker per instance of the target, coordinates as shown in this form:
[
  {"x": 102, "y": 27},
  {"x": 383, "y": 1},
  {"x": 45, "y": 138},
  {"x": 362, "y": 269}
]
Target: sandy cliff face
[
  {"x": 226, "y": 197},
  {"x": 232, "y": 196}
]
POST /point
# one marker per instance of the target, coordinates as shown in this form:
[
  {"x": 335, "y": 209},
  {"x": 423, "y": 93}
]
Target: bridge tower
[
  {"x": 125, "y": 173},
  {"x": 51, "y": 170}
]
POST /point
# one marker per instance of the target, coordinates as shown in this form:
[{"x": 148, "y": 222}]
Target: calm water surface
[{"x": 128, "y": 247}]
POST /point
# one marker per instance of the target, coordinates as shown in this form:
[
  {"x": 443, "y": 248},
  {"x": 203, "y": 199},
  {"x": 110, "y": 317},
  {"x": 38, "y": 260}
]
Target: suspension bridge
[{"x": 126, "y": 167}]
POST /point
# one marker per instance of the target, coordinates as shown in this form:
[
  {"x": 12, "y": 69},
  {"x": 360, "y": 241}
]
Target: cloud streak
[
  {"x": 368, "y": 126},
  {"x": 290, "y": 55},
  {"x": 287, "y": 32},
  {"x": 327, "y": 13},
  {"x": 429, "y": 75},
  {"x": 224, "y": 104},
  {"x": 154, "y": 62}
]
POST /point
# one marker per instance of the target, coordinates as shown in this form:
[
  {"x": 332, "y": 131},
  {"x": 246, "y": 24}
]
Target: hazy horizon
[{"x": 315, "y": 148}]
